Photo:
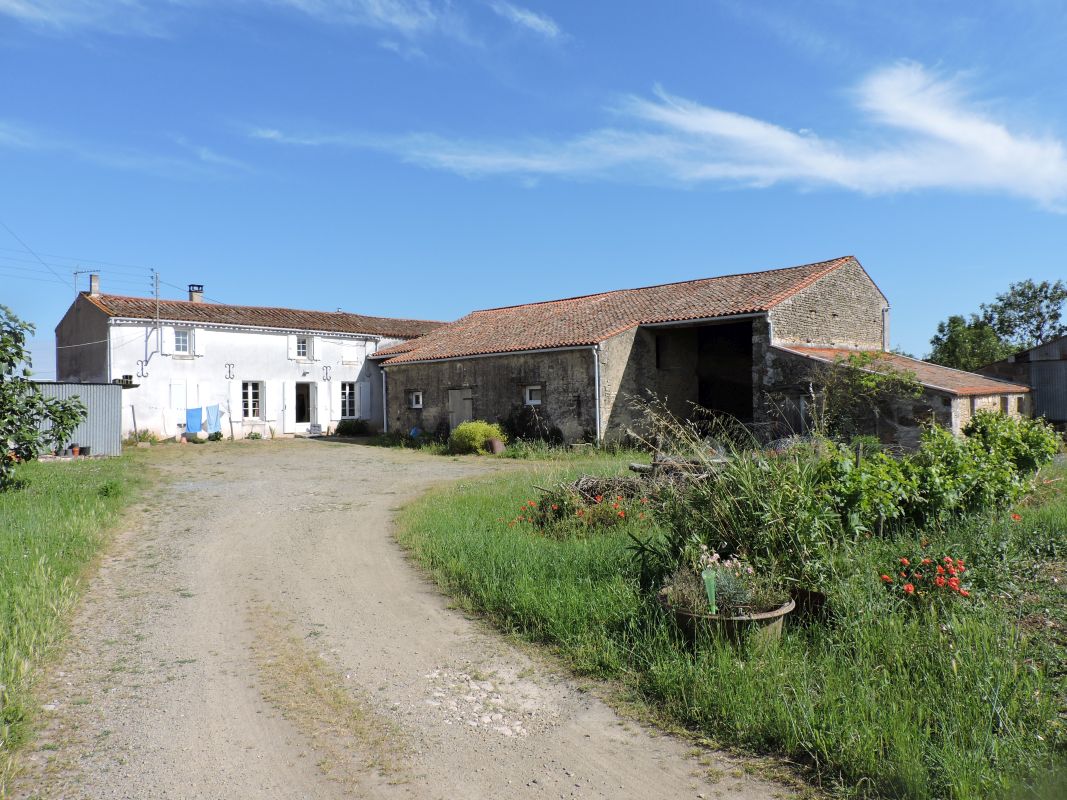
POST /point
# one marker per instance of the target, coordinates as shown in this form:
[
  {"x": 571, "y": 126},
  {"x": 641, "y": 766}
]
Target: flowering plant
[
  {"x": 567, "y": 511},
  {"x": 927, "y": 580},
  {"x": 729, "y": 587}
]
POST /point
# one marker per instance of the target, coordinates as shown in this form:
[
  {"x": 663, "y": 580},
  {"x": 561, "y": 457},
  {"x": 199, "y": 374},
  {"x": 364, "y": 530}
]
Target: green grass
[
  {"x": 874, "y": 701},
  {"x": 51, "y": 527}
]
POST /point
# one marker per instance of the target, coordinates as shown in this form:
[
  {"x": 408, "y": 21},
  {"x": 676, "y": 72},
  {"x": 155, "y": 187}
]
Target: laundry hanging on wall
[{"x": 213, "y": 425}]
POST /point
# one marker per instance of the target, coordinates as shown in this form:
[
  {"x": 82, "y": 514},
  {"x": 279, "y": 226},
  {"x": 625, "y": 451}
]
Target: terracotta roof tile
[
  {"x": 259, "y": 316},
  {"x": 585, "y": 321},
  {"x": 934, "y": 376}
]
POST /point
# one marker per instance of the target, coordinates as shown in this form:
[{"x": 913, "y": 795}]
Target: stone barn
[{"x": 573, "y": 365}]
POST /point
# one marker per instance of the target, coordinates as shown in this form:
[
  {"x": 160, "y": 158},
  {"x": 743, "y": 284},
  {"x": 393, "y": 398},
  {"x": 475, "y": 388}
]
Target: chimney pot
[
  {"x": 196, "y": 293},
  {"x": 94, "y": 284}
]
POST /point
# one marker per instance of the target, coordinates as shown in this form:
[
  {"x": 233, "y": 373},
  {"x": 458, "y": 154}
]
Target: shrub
[
  {"x": 215, "y": 437},
  {"x": 254, "y": 435},
  {"x": 352, "y": 427},
  {"x": 472, "y": 436},
  {"x": 1029, "y": 443},
  {"x": 29, "y": 421}
]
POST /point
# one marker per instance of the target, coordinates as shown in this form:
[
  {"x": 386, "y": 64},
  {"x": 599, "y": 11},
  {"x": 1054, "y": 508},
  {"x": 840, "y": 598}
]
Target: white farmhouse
[{"x": 253, "y": 369}]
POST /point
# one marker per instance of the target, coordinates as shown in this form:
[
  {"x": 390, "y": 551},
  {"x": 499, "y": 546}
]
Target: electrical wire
[{"x": 32, "y": 252}]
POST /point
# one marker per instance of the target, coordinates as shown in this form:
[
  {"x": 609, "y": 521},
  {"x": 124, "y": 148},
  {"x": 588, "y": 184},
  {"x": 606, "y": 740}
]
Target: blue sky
[{"x": 422, "y": 158}]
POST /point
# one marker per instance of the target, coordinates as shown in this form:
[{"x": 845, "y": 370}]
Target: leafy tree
[
  {"x": 853, "y": 392},
  {"x": 967, "y": 344},
  {"x": 1028, "y": 313},
  {"x": 23, "y": 409}
]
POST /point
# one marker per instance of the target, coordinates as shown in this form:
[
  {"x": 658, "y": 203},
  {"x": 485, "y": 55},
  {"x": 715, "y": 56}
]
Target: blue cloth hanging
[
  {"x": 193, "y": 417},
  {"x": 213, "y": 425}
]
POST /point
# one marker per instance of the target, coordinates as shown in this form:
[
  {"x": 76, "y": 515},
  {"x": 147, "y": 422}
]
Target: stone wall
[
  {"x": 85, "y": 327},
  {"x": 1016, "y": 405},
  {"x": 497, "y": 384},
  {"x": 843, "y": 309}
]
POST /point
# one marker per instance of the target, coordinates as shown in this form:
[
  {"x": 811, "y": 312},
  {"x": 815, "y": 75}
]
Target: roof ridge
[
  {"x": 96, "y": 297},
  {"x": 829, "y": 265}
]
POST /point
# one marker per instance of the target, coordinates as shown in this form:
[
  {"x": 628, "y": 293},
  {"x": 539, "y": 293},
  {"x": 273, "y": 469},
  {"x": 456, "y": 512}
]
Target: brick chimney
[
  {"x": 196, "y": 293},
  {"x": 94, "y": 284}
]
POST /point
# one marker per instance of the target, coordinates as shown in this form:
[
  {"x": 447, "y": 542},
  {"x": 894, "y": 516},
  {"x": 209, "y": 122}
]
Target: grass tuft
[{"x": 51, "y": 527}]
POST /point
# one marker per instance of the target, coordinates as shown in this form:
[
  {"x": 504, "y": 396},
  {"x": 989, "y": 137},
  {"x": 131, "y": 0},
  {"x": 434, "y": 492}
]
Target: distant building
[
  {"x": 720, "y": 343},
  {"x": 262, "y": 367},
  {"x": 1044, "y": 368}
]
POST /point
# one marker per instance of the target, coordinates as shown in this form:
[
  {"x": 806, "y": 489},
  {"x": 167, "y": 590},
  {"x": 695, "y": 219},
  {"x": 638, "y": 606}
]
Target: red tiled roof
[
  {"x": 259, "y": 316},
  {"x": 396, "y": 349},
  {"x": 933, "y": 376},
  {"x": 585, "y": 321}
]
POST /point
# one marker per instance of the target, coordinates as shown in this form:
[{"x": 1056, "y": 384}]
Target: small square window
[
  {"x": 415, "y": 399},
  {"x": 182, "y": 342},
  {"x": 301, "y": 347},
  {"x": 532, "y": 395}
]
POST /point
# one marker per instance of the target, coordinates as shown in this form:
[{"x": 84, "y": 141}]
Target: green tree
[
  {"x": 967, "y": 345},
  {"x": 1028, "y": 313},
  {"x": 23, "y": 409}
]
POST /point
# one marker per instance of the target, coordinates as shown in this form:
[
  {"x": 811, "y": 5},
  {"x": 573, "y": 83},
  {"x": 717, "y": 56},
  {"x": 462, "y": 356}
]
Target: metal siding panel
[
  {"x": 1049, "y": 385},
  {"x": 101, "y": 430}
]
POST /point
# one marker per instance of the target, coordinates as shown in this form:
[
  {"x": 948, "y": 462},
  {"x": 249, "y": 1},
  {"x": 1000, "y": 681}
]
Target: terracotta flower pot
[
  {"x": 765, "y": 626},
  {"x": 75, "y": 450}
]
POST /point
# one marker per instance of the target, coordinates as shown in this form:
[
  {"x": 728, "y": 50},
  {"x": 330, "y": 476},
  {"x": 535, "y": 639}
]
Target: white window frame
[
  {"x": 415, "y": 399},
  {"x": 349, "y": 397},
  {"x": 305, "y": 343},
  {"x": 252, "y": 400},
  {"x": 179, "y": 335},
  {"x": 527, "y": 394}
]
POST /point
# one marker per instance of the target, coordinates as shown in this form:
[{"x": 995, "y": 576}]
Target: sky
[{"x": 424, "y": 158}]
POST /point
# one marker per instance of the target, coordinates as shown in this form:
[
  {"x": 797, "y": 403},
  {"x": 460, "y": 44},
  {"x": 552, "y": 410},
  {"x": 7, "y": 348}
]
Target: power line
[
  {"x": 30, "y": 250},
  {"x": 35, "y": 280},
  {"x": 85, "y": 260}
]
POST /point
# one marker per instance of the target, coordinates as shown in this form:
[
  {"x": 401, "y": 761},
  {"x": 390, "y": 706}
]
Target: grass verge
[
  {"x": 873, "y": 701},
  {"x": 52, "y": 525}
]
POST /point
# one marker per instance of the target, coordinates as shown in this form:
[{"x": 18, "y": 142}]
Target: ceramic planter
[{"x": 765, "y": 626}]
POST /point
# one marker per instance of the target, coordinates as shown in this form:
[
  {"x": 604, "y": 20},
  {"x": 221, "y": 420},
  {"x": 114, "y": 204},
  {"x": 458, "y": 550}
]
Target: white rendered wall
[{"x": 222, "y": 359}]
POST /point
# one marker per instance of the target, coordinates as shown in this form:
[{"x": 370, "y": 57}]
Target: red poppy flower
[
  {"x": 927, "y": 561},
  {"x": 939, "y": 581},
  {"x": 1016, "y": 517},
  {"x": 940, "y": 570},
  {"x": 964, "y": 593},
  {"x": 622, "y": 513},
  {"x": 909, "y": 588},
  {"x": 886, "y": 579},
  {"x": 904, "y": 561},
  {"x": 555, "y": 507},
  {"x": 599, "y": 497}
]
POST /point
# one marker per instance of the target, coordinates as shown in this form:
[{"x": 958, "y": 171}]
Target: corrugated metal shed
[
  {"x": 101, "y": 431},
  {"x": 1049, "y": 382}
]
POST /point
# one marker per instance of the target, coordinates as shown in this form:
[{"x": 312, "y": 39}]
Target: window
[
  {"x": 182, "y": 342},
  {"x": 348, "y": 400},
  {"x": 251, "y": 400},
  {"x": 532, "y": 395},
  {"x": 415, "y": 399},
  {"x": 301, "y": 347}
]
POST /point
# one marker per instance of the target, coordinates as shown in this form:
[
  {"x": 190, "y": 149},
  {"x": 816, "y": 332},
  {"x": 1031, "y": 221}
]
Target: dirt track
[{"x": 255, "y": 632}]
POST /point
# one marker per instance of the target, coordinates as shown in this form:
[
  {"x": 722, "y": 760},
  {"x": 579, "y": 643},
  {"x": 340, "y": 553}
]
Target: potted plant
[{"x": 725, "y": 597}]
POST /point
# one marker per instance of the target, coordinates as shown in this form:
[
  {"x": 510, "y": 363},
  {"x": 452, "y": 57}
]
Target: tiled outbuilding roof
[
  {"x": 259, "y": 316},
  {"x": 933, "y": 376},
  {"x": 588, "y": 320}
]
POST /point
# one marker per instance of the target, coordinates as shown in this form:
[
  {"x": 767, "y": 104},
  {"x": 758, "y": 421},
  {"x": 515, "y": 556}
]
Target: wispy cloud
[
  {"x": 191, "y": 161},
  {"x": 916, "y": 130},
  {"x": 523, "y": 17},
  {"x": 112, "y": 16},
  {"x": 403, "y": 17}
]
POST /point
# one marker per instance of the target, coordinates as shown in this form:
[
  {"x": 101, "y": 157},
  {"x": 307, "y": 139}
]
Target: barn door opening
[{"x": 460, "y": 406}]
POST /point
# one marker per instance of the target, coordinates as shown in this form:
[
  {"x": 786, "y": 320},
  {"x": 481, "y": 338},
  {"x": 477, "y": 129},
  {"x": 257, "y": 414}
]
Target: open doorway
[{"x": 303, "y": 402}]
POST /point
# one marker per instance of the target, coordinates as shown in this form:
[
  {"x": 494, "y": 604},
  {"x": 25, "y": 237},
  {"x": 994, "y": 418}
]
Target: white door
[{"x": 288, "y": 407}]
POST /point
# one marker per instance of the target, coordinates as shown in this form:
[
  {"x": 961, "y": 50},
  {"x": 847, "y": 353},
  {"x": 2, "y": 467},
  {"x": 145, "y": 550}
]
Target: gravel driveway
[{"x": 255, "y": 632}]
